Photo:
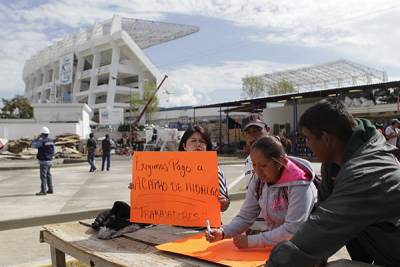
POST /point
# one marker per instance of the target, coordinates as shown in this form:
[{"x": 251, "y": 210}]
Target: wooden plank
[
  {"x": 80, "y": 242},
  {"x": 57, "y": 257},
  {"x": 160, "y": 234},
  {"x": 154, "y": 235}
]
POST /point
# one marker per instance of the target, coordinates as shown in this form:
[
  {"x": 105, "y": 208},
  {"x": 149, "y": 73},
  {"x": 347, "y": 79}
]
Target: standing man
[
  {"x": 91, "y": 150},
  {"x": 358, "y": 199},
  {"x": 45, "y": 154},
  {"x": 392, "y": 132},
  {"x": 106, "y": 146},
  {"x": 253, "y": 128}
]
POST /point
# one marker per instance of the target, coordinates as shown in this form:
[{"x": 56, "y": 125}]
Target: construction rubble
[{"x": 67, "y": 146}]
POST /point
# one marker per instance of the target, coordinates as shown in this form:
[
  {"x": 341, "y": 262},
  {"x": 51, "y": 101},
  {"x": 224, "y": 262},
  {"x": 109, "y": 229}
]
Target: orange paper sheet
[
  {"x": 222, "y": 252},
  {"x": 177, "y": 188}
]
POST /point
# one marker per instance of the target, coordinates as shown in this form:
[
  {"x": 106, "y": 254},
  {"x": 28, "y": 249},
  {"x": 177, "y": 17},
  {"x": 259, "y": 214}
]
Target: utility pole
[{"x": 134, "y": 125}]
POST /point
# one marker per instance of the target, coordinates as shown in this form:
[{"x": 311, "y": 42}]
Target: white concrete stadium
[{"x": 101, "y": 66}]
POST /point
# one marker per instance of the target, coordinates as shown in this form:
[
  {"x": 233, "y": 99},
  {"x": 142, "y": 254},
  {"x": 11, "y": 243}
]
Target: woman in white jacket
[{"x": 283, "y": 191}]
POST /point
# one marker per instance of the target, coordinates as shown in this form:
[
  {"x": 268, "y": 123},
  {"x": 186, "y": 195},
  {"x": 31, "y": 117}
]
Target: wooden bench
[{"x": 79, "y": 240}]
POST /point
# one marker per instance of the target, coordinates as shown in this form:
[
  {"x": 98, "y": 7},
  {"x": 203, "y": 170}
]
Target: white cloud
[
  {"x": 178, "y": 94},
  {"x": 193, "y": 84},
  {"x": 364, "y": 30},
  {"x": 15, "y": 48}
]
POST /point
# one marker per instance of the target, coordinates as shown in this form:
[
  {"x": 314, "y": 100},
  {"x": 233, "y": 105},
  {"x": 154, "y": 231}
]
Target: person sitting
[
  {"x": 358, "y": 199},
  {"x": 196, "y": 139},
  {"x": 282, "y": 190}
]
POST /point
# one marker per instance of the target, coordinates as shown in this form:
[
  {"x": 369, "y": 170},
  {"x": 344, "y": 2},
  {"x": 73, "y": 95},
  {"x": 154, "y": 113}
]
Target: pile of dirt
[
  {"x": 66, "y": 146},
  {"x": 17, "y": 146}
]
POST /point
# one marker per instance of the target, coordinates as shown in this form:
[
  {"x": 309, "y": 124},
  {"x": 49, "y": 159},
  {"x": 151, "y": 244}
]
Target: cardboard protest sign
[
  {"x": 178, "y": 188},
  {"x": 222, "y": 252}
]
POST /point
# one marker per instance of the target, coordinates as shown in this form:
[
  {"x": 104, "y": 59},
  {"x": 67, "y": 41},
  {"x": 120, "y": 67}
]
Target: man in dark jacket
[
  {"x": 91, "y": 150},
  {"x": 45, "y": 154},
  {"x": 359, "y": 198},
  {"x": 106, "y": 145}
]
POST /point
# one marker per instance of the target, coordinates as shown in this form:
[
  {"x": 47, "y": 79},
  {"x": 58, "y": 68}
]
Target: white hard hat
[{"x": 45, "y": 130}]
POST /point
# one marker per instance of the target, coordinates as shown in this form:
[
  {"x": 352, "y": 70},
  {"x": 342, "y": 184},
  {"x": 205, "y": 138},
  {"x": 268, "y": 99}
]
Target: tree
[
  {"x": 282, "y": 87},
  {"x": 139, "y": 101},
  {"x": 17, "y": 107},
  {"x": 253, "y": 86},
  {"x": 148, "y": 90}
]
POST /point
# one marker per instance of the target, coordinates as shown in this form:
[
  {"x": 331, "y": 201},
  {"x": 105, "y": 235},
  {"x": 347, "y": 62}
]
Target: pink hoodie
[{"x": 293, "y": 172}]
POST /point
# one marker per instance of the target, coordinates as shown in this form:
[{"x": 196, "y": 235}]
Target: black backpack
[{"x": 116, "y": 218}]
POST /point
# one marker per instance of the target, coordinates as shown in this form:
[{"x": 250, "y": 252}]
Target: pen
[{"x": 208, "y": 227}]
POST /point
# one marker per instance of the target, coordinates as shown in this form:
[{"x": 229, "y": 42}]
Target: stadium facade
[{"x": 101, "y": 66}]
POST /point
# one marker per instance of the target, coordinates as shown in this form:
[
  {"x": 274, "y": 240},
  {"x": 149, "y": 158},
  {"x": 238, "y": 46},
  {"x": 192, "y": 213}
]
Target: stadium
[{"x": 101, "y": 66}]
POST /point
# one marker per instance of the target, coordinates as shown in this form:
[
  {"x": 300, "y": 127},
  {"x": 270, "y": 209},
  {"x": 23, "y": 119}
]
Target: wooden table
[{"x": 79, "y": 240}]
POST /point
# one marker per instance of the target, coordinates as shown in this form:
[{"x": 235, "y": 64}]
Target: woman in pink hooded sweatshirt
[{"x": 282, "y": 192}]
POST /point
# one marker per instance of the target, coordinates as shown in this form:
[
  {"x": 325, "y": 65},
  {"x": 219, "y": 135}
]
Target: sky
[{"x": 236, "y": 38}]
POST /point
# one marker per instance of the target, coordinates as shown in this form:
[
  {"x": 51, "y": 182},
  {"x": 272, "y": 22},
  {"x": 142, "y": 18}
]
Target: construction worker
[{"x": 45, "y": 154}]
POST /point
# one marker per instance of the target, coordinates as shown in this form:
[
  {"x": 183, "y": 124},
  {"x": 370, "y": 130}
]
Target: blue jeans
[
  {"x": 90, "y": 159},
  {"x": 45, "y": 178},
  {"x": 105, "y": 157}
]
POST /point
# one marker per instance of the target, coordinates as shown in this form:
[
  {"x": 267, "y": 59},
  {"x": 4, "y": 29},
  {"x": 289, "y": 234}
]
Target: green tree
[
  {"x": 148, "y": 91},
  {"x": 139, "y": 101},
  {"x": 17, "y": 107},
  {"x": 252, "y": 86},
  {"x": 282, "y": 87}
]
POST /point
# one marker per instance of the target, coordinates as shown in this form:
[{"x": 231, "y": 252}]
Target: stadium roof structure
[
  {"x": 336, "y": 74},
  {"x": 147, "y": 33}
]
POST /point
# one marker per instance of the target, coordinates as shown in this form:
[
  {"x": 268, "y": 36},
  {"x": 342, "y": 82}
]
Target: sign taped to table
[{"x": 177, "y": 188}]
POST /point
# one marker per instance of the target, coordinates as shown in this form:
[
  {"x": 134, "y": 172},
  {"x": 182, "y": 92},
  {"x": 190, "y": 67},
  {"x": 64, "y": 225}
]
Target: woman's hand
[
  {"x": 241, "y": 241},
  {"x": 216, "y": 234},
  {"x": 223, "y": 202}
]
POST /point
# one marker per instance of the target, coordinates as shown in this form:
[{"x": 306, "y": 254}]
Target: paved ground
[{"x": 78, "y": 194}]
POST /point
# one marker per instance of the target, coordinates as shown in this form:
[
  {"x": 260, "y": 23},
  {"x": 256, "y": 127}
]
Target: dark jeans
[
  {"x": 90, "y": 159},
  {"x": 105, "y": 157},
  {"x": 45, "y": 178}
]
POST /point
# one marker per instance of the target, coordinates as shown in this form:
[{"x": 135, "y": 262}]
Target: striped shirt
[{"x": 223, "y": 189}]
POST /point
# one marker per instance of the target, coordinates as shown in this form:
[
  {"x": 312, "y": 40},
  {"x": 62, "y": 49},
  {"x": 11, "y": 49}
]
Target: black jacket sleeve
[{"x": 363, "y": 196}]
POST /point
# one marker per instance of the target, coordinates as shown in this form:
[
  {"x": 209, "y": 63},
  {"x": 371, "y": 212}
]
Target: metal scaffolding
[{"x": 337, "y": 74}]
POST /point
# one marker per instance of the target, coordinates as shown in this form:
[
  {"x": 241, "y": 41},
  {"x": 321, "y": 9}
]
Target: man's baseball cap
[{"x": 254, "y": 119}]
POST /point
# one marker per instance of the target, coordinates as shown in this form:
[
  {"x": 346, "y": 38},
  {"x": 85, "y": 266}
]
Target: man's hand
[
  {"x": 223, "y": 202},
  {"x": 215, "y": 235},
  {"x": 241, "y": 241}
]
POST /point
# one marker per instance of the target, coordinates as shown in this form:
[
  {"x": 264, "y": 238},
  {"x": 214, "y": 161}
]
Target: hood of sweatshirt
[
  {"x": 365, "y": 137},
  {"x": 296, "y": 171}
]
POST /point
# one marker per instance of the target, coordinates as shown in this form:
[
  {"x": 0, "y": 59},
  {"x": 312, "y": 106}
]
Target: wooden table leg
[{"x": 57, "y": 257}]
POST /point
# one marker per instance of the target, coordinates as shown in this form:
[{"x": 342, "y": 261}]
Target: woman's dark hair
[
  {"x": 270, "y": 147},
  {"x": 286, "y": 143},
  {"x": 190, "y": 131},
  {"x": 331, "y": 116}
]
